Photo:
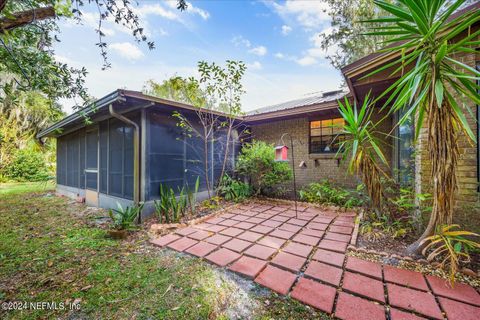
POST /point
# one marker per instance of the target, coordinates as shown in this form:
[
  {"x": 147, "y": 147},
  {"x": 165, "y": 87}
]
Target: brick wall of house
[{"x": 318, "y": 166}]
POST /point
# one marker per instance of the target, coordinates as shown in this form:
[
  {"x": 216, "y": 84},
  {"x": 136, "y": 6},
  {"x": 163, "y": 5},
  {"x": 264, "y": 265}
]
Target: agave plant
[
  {"x": 362, "y": 148},
  {"x": 124, "y": 218},
  {"x": 434, "y": 86},
  {"x": 451, "y": 247}
]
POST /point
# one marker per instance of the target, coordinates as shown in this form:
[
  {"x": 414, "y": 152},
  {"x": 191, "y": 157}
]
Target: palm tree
[
  {"x": 362, "y": 148},
  {"x": 436, "y": 88}
]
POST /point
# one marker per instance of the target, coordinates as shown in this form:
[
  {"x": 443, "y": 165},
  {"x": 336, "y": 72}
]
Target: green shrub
[
  {"x": 124, "y": 219},
  {"x": 234, "y": 190},
  {"x": 27, "y": 165},
  {"x": 257, "y": 162},
  {"x": 325, "y": 193},
  {"x": 171, "y": 207}
]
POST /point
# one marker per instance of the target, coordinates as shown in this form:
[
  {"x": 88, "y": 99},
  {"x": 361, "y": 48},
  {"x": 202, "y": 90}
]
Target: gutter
[
  {"x": 136, "y": 153},
  {"x": 93, "y": 108}
]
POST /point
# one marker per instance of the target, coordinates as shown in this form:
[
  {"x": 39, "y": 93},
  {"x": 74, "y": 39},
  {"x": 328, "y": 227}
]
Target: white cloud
[
  {"x": 254, "y": 66},
  {"x": 279, "y": 55},
  {"x": 259, "y": 51},
  {"x": 157, "y": 10},
  {"x": 307, "y": 13},
  {"x": 307, "y": 61},
  {"x": 241, "y": 41},
  {"x": 127, "y": 50},
  {"x": 63, "y": 59},
  {"x": 286, "y": 29}
]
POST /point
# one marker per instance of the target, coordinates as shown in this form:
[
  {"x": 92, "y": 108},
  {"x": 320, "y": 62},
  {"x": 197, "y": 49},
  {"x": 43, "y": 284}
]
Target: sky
[{"x": 278, "y": 41}]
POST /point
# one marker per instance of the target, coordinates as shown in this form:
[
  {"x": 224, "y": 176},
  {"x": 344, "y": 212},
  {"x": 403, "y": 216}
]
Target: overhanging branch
[{"x": 26, "y": 17}]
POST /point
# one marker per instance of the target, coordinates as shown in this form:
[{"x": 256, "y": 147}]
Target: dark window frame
[{"x": 334, "y": 136}]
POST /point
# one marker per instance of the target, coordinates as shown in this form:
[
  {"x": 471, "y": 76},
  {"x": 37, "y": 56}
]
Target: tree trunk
[
  {"x": 26, "y": 17},
  {"x": 227, "y": 148},
  {"x": 443, "y": 152}
]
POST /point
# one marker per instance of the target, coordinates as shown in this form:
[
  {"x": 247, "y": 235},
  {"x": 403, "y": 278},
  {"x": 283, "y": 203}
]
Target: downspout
[{"x": 136, "y": 153}]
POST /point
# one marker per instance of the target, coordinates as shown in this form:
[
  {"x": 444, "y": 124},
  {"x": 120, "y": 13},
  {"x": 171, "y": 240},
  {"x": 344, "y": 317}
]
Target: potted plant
[{"x": 123, "y": 220}]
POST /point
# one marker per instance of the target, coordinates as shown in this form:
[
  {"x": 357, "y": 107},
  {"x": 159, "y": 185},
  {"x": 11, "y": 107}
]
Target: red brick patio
[{"x": 304, "y": 257}]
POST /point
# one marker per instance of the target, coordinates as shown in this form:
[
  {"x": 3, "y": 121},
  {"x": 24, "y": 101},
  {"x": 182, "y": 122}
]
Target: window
[
  {"x": 405, "y": 150},
  {"x": 325, "y": 135}
]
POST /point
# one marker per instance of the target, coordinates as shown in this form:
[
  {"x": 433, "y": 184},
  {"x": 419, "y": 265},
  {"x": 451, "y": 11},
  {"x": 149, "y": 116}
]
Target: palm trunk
[{"x": 443, "y": 152}]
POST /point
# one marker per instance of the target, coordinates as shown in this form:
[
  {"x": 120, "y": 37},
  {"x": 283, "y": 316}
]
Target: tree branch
[
  {"x": 26, "y": 17},
  {"x": 2, "y": 4}
]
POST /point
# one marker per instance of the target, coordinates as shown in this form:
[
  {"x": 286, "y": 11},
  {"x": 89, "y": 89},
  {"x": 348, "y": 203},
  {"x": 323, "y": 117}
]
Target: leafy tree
[
  {"x": 22, "y": 116},
  {"x": 347, "y": 34},
  {"x": 216, "y": 96},
  {"x": 27, "y": 165},
  {"x": 28, "y": 30},
  {"x": 438, "y": 88},
  {"x": 257, "y": 162}
]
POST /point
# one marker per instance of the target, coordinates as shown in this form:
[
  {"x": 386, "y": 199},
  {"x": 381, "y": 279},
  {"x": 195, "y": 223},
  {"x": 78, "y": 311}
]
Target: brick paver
[
  {"x": 290, "y": 227},
  {"x": 200, "y": 235},
  {"x": 222, "y": 257},
  {"x": 299, "y": 249},
  {"x": 368, "y": 268},
  {"x": 459, "y": 310},
  {"x": 247, "y": 266},
  {"x": 405, "y": 278},
  {"x": 414, "y": 300},
  {"x": 315, "y": 294},
  {"x": 364, "y": 286},
  {"x": 201, "y": 249},
  {"x": 163, "y": 241},
  {"x": 276, "y": 279},
  {"x": 289, "y": 261},
  {"x": 354, "y": 308},
  {"x": 182, "y": 244},
  {"x": 313, "y": 241},
  {"x": 324, "y": 272},
  {"x": 259, "y": 251},
  {"x": 396, "y": 314},
  {"x": 329, "y": 257},
  {"x": 185, "y": 231},
  {"x": 273, "y": 245},
  {"x": 338, "y": 237},
  {"x": 333, "y": 245},
  {"x": 272, "y": 242},
  {"x": 237, "y": 245},
  {"x": 282, "y": 234},
  {"x": 460, "y": 291},
  {"x": 232, "y": 232},
  {"x": 250, "y": 236},
  {"x": 218, "y": 239}
]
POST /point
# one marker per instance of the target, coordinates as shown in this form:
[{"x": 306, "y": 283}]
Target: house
[
  {"x": 134, "y": 145},
  {"x": 309, "y": 122},
  {"x": 131, "y": 146}
]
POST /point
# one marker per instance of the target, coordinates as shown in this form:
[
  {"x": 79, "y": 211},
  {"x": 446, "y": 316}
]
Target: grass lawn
[
  {"x": 23, "y": 187},
  {"x": 51, "y": 250}
]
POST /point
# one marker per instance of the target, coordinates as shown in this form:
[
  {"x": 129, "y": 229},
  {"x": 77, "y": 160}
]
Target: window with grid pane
[{"x": 325, "y": 135}]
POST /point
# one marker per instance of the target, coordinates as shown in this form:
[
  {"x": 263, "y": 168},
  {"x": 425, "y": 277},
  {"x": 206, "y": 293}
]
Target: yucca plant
[
  {"x": 434, "y": 86},
  {"x": 362, "y": 149},
  {"x": 170, "y": 207},
  {"x": 192, "y": 196},
  {"x": 451, "y": 247}
]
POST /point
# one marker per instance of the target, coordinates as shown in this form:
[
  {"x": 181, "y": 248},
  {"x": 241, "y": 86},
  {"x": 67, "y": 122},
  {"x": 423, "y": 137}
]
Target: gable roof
[{"x": 100, "y": 109}]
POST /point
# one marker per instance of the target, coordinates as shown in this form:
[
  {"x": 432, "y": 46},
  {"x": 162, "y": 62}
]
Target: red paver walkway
[{"x": 304, "y": 255}]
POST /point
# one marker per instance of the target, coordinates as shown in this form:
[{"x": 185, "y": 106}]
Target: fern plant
[{"x": 451, "y": 247}]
